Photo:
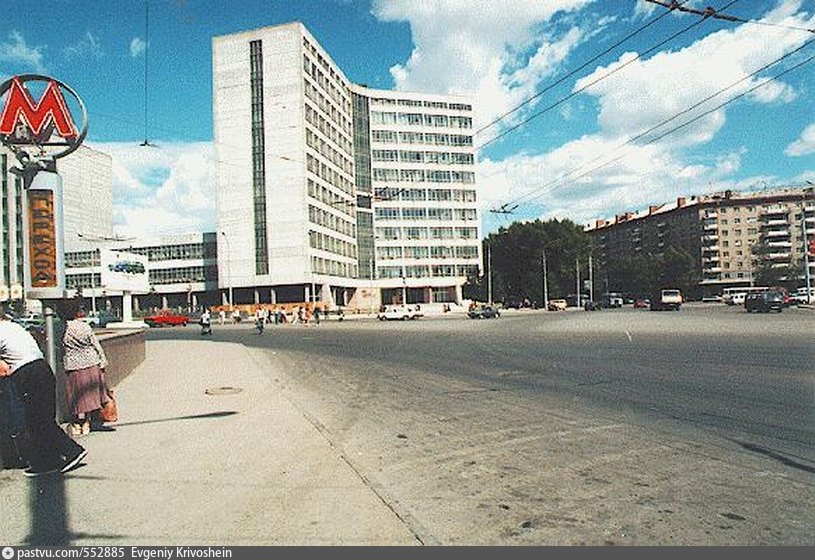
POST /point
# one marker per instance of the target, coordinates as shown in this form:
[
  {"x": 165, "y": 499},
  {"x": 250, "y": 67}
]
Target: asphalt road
[{"x": 613, "y": 427}]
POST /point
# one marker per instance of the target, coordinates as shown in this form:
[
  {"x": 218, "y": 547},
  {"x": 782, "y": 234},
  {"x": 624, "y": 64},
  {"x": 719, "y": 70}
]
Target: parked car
[
  {"x": 611, "y": 300},
  {"x": 642, "y": 303},
  {"x": 399, "y": 313},
  {"x": 764, "y": 302},
  {"x": 557, "y": 305},
  {"x": 800, "y": 296},
  {"x": 166, "y": 318},
  {"x": 101, "y": 319},
  {"x": 593, "y": 305},
  {"x": 32, "y": 322},
  {"x": 483, "y": 312}
]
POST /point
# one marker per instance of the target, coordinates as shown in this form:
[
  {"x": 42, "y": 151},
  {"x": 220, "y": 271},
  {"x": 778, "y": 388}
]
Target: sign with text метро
[{"x": 42, "y": 240}]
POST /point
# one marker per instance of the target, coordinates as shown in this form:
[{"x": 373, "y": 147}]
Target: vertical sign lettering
[{"x": 42, "y": 239}]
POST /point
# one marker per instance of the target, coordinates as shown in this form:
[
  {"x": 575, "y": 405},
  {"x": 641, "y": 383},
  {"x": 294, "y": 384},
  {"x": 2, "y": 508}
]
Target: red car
[{"x": 166, "y": 318}]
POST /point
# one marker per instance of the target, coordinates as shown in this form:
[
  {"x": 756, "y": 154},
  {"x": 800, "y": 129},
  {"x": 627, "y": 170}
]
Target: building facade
[
  {"x": 332, "y": 191},
  {"x": 722, "y": 231},
  {"x": 87, "y": 210}
]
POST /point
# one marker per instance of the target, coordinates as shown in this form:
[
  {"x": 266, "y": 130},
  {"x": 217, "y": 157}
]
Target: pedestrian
[
  {"x": 316, "y": 315},
  {"x": 84, "y": 362},
  {"x": 50, "y": 450},
  {"x": 259, "y": 320},
  {"x": 236, "y": 316},
  {"x": 206, "y": 322},
  {"x": 221, "y": 316}
]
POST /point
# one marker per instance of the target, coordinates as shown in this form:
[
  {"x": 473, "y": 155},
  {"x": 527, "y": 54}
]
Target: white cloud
[
  {"x": 490, "y": 49},
  {"x": 804, "y": 145},
  {"x": 169, "y": 189},
  {"x": 137, "y": 47},
  {"x": 17, "y": 52},
  {"x": 87, "y": 46}
]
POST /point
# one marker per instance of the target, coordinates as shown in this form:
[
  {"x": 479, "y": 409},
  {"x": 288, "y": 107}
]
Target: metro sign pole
[{"x": 38, "y": 133}]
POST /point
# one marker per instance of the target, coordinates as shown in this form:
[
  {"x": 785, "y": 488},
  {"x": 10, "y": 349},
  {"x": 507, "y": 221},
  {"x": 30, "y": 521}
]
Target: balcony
[
  {"x": 709, "y": 248},
  {"x": 710, "y": 237},
  {"x": 782, "y": 244},
  {"x": 713, "y": 226},
  {"x": 712, "y": 270},
  {"x": 710, "y": 215},
  {"x": 775, "y": 209},
  {"x": 777, "y": 233},
  {"x": 775, "y": 222},
  {"x": 710, "y": 258},
  {"x": 784, "y": 255}
]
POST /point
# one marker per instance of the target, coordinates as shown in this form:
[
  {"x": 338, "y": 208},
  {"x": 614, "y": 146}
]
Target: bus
[{"x": 735, "y": 296}]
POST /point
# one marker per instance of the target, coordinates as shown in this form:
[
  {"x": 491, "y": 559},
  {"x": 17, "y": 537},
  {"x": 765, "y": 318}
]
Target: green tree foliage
[
  {"x": 771, "y": 272},
  {"x": 646, "y": 274},
  {"x": 517, "y": 260}
]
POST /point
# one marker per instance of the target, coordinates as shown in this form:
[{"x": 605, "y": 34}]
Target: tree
[{"x": 517, "y": 257}]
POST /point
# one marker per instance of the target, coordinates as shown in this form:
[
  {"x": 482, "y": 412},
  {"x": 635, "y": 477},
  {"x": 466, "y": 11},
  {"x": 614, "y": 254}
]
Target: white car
[{"x": 400, "y": 313}]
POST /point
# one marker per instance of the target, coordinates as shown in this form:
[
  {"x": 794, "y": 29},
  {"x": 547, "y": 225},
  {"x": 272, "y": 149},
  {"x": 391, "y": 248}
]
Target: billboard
[{"x": 122, "y": 271}]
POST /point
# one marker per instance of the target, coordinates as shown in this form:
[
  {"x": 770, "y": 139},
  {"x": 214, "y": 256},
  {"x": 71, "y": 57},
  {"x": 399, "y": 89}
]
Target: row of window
[
  {"x": 395, "y": 233},
  {"x": 430, "y": 138},
  {"x": 422, "y": 103},
  {"x": 442, "y": 214},
  {"x": 329, "y": 174},
  {"x": 426, "y": 271},
  {"x": 331, "y": 267},
  {"x": 329, "y": 81},
  {"x": 327, "y": 196},
  {"x": 421, "y": 195},
  {"x": 412, "y": 156},
  {"x": 421, "y": 119},
  {"x": 328, "y": 129},
  {"x": 184, "y": 251},
  {"x": 331, "y": 221},
  {"x": 318, "y": 240},
  {"x": 423, "y": 176},
  {"x": 327, "y": 151},
  {"x": 424, "y": 252},
  {"x": 329, "y": 109}
]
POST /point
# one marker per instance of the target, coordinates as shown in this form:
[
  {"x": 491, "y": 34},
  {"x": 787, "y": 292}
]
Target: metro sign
[
  {"x": 20, "y": 107},
  {"x": 41, "y": 129}
]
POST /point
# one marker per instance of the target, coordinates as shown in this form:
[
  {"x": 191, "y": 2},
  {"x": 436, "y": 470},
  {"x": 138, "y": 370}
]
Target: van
[{"x": 667, "y": 300}]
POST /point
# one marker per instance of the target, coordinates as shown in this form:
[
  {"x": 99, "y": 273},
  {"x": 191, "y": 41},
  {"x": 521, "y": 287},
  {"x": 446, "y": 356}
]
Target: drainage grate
[{"x": 223, "y": 391}]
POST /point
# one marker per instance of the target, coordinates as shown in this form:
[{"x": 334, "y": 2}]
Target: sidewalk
[{"x": 186, "y": 467}]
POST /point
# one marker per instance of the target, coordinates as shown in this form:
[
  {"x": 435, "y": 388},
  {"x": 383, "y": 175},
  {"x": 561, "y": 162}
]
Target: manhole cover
[{"x": 223, "y": 390}]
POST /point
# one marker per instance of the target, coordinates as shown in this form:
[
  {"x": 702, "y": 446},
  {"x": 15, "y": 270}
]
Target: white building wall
[
  {"x": 87, "y": 190},
  {"x": 289, "y": 229}
]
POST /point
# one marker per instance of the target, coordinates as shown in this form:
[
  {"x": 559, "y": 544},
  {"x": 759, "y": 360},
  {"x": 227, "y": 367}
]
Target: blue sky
[{"x": 566, "y": 162}]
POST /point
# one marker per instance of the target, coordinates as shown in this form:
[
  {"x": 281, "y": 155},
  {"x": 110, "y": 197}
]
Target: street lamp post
[
  {"x": 489, "y": 273},
  {"x": 807, "y": 275},
  {"x": 228, "y": 271}
]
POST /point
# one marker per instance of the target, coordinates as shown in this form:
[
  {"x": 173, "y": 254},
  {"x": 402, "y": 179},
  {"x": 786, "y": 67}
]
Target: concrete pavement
[{"x": 240, "y": 466}]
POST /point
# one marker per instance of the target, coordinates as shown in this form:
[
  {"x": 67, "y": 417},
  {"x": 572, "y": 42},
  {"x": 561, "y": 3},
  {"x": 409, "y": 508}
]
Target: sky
[{"x": 585, "y": 108}]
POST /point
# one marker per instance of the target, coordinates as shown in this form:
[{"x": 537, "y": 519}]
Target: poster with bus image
[{"x": 122, "y": 271}]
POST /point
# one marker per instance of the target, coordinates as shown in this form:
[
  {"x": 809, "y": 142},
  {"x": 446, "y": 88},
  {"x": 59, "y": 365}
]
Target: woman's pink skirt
[{"x": 86, "y": 389}]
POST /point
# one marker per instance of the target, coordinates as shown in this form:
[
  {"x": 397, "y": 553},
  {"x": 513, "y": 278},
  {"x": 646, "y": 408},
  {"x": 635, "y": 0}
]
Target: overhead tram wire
[
  {"x": 598, "y": 80},
  {"x": 573, "y": 72},
  {"x": 710, "y": 12},
  {"x": 696, "y": 105},
  {"x": 554, "y": 185}
]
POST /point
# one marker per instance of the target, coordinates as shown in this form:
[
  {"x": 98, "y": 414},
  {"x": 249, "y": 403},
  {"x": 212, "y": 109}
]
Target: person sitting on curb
[{"x": 50, "y": 450}]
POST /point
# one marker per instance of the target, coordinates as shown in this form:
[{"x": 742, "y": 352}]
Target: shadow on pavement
[{"x": 220, "y": 414}]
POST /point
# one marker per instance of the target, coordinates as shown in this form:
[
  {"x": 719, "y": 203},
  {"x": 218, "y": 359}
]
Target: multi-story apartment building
[
  {"x": 721, "y": 230},
  {"x": 332, "y": 191}
]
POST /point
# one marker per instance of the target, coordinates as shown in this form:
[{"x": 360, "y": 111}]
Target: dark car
[
  {"x": 483, "y": 312},
  {"x": 594, "y": 305},
  {"x": 764, "y": 302}
]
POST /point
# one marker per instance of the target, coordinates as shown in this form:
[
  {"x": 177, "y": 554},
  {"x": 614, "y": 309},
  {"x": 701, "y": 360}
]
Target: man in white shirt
[{"x": 51, "y": 450}]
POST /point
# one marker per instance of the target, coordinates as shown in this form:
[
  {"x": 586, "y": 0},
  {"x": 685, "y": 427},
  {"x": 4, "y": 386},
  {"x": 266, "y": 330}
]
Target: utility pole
[
  {"x": 489, "y": 274},
  {"x": 545, "y": 282},
  {"x": 806, "y": 246},
  {"x": 577, "y": 274},
  {"x": 591, "y": 281}
]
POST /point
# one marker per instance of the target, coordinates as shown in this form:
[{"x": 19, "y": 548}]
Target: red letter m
[{"x": 51, "y": 106}]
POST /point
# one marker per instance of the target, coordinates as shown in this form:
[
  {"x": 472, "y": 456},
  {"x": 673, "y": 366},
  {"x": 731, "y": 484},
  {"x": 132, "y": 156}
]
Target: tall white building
[{"x": 320, "y": 181}]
